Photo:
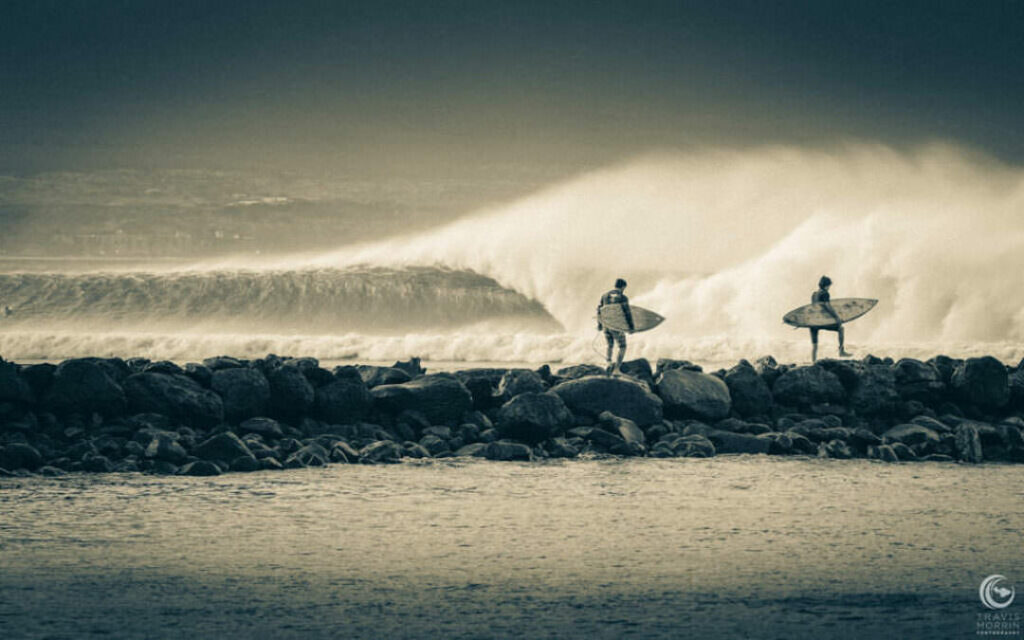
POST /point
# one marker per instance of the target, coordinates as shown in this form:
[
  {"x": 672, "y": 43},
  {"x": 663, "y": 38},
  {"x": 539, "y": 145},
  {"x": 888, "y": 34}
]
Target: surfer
[
  {"x": 612, "y": 336},
  {"x": 822, "y": 296}
]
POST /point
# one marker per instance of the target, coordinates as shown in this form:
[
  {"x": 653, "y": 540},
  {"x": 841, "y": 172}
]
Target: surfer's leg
[
  {"x": 842, "y": 337},
  {"x": 608, "y": 354},
  {"x": 814, "y": 344},
  {"x": 621, "y": 339}
]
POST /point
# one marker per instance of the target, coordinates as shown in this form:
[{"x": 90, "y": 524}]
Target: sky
[{"x": 445, "y": 88}]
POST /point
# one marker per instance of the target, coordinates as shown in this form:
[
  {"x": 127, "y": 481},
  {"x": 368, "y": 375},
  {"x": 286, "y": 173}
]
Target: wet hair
[
  {"x": 824, "y": 282},
  {"x": 620, "y": 284}
]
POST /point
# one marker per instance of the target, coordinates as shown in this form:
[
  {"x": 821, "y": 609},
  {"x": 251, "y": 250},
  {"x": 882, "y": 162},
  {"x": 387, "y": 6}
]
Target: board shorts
[
  {"x": 612, "y": 336},
  {"x": 815, "y": 330}
]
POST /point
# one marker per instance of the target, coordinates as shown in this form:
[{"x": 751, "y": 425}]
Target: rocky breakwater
[{"x": 226, "y": 414}]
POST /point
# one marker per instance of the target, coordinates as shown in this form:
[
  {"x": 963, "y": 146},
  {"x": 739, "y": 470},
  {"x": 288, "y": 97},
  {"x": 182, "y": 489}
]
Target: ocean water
[
  {"x": 721, "y": 242},
  {"x": 733, "y": 546}
]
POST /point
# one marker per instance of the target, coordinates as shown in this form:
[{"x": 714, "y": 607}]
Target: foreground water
[{"x": 735, "y": 546}]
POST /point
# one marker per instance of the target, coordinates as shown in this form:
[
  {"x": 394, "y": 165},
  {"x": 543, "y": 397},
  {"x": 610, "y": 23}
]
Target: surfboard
[
  {"x": 814, "y": 314},
  {"x": 611, "y": 316}
]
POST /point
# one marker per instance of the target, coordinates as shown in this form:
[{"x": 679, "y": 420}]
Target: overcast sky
[{"x": 455, "y": 86}]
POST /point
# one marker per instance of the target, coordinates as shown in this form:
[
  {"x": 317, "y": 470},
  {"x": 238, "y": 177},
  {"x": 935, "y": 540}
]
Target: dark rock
[
  {"x": 265, "y": 427},
  {"x": 342, "y": 451},
  {"x": 200, "y": 468},
  {"x": 982, "y": 382},
  {"x": 50, "y": 472},
  {"x": 223, "y": 446},
  {"x": 561, "y": 448},
  {"x": 835, "y": 449},
  {"x": 968, "y": 443},
  {"x": 343, "y": 401},
  {"x": 165, "y": 446},
  {"x": 468, "y": 431},
  {"x": 579, "y": 371},
  {"x": 162, "y": 468},
  {"x": 245, "y": 464},
  {"x": 602, "y": 437},
  {"x": 910, "y": 434},
  {"x": 270, "y": 464},
  {"x": 348, "y": 372},
  {"x": 903, "y": 452},
  {"x": 13, "y": 387},
  {"x": 83, "y": 386},
  {"x": 39, "y": 377},
  {"x": 380, "y": 451},
  {"x": 317, "y": 376},
  {"x": 916, "y": 380},
  {"x": 518, "y": 381},
  {"x": 945, "y": 366},
  {"x": 376, "y": 376},
  {"x": 639, "y": 369},
  {"x": 414, "y": 450},
  {"x": 883, "y": 452},
  {"x": 667, "y": 364},
  {"x": 442, "y": 398},
  {"x": 96, "y": 463},
  {"x": 178, "y": 397},
  {"x": 245, "y": 392},
  {"x": 687, "y": 393},
  {"x": 847, "y": 371},
  {"x": 18, "y": 455},
  {"x": 474, "y": 450},
  {"x": 590, "y": 396},
  {"x": 482, "y": 384},
  {"x": 874, "y": 392},
  {"x": 727, "y": 442},
  {"x": 626, "y": 429},
  {"x": 750, "y": 394},
  {"x": 445, "y": 433},
  {"x": 804, "y": 386},
  {"x": 163, "y": 366},
  {"x": 291, "y": 394},
  {"x": 219, "y": 363},
  {"x": 201, "y": 374},
  {"x": 412, "y": 367},
  {"x": 534, "y": 417},
  {"x": 434, "y": 445},
  {"x": 489, "y": 435},
  {"x": 693, "y": 446},
  {"x": 412, "y": 421},
  {"x": 931, "y": 423},
  {"x": 311, "y": 455},
  {"x": 505, "y": 450}
]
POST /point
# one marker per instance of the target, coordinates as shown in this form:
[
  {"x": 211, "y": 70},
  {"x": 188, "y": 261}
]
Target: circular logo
[{"x": 993, "y": 595}]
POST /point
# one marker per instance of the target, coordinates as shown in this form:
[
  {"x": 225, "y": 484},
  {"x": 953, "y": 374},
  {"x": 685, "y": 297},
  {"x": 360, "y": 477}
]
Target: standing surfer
[
  {"x": 822, "y": 296},
  {"x": 612, "y": 336}
]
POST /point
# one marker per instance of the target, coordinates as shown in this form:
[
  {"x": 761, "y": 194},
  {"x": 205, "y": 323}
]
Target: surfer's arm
[
  {"x": 832, "y": 312},
  {"x": 628, "y": 313}
]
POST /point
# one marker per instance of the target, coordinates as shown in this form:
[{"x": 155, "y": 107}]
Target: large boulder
[
  {"x": 910, "y": 434},
  {"x": 750, "y": 394},
  {"x": 13, "y": 387},
  {"x": 165, "y": 446},
  {"x": 968, "y": 443},
  {"x": 344, "y": 401},
  {"x": 245, "y": 392},
  {"x": 875, "y": 391},
  {"x": 982, "y": 382},
  {"x": 291, "y": 394},
  {"x": 916, "y": 380},
  {"x": 175, "y": 396},
  {"x": 518, "y": 381},
  {"x": 639, "y": 369},
  {"x": 441, "y": 397},
  {"x": 267, "y": 428},
  {"x": 626, "y": 429},
  {"x": 85, "y": 386},
  {"x": 692, "y": 394},
  {"x": 504, "y": 450},
  {"x": 375, "y": 376},
  {"x": 728, "y": 442},
  {"x": 223, "y": 446},
  {"x": 533, "y": 417},
  {"x": 803, "y": 386},
  {"x": 482, "y": 384},
  {"x": 624, "y": 397},
  {"x": 19, "y": 455}
]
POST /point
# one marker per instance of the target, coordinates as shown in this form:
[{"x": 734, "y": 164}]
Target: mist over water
[{"x": 723, "y": 243}]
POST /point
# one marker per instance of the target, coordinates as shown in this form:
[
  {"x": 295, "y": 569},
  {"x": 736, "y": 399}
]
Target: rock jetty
[{"x": 228, "y": 414}]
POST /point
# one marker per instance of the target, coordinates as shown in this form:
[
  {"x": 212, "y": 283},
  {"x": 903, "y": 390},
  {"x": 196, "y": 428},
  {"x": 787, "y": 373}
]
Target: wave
[{"x": 371, "y": 300}]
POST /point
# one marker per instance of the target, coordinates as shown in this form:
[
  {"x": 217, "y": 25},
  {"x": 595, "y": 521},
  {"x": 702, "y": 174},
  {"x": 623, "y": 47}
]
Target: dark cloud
[{"x": 382, "y": 82}]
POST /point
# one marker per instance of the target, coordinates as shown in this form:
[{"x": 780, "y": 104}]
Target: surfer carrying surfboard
[
  {"x": 822, "y": 297},
  {"x": 613, "y": 336}
]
